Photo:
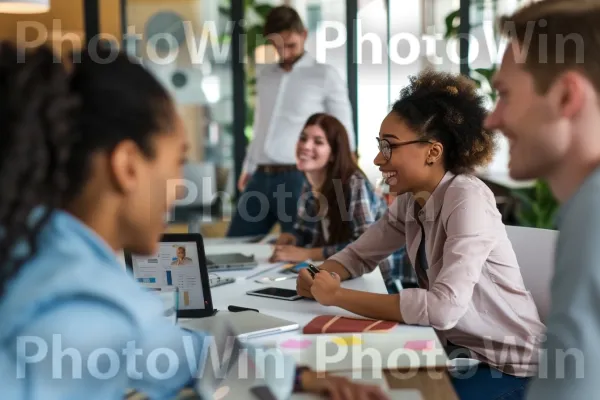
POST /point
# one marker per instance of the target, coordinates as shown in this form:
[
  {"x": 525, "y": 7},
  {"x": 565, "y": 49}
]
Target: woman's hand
[
  {"x": 325, "y": 287},
  {"x": 289, "y": 253},
  {"x": 305, "y": 281},
  {"x": 286, "y": 239},
  {"x": 339, "y": 388},
  {"x": 334, "y": 266},
  {"x": 304, "y": 284}
]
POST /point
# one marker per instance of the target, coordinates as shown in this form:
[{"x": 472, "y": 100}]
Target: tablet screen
[{"x": 175, "y": 264}]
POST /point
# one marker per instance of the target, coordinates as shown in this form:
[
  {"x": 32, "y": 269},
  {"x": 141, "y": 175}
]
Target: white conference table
[
  {"x": 300, "y": 311},
  {"x": 432, "y": 386}
]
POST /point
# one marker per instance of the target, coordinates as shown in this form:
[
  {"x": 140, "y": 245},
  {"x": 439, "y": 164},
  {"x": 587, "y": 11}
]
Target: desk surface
[
  {"x": 433, "y": 383},
  {"x": 301, "y": 311}
]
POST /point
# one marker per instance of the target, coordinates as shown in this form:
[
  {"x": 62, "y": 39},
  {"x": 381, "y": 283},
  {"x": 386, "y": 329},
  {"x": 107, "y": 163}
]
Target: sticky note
[
  {"x": 347, "y": 341},
  {"x": 295, "y": 344},
  {"x": 221, "y": 392},
  {"x": 419, "y": 345}
]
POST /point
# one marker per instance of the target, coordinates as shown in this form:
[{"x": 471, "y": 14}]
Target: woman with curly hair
[{"x": 470, "y": 286}]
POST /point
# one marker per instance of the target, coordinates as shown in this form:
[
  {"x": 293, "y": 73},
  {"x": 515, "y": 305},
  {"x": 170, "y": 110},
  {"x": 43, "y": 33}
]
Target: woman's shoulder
[
  {"x": 65, "y": 278},
  {"x": 468, "y": 191},
  {"x": 465, "y": 186}
]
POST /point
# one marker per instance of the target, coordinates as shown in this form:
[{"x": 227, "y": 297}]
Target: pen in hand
[{"x": 313, "y": 270}]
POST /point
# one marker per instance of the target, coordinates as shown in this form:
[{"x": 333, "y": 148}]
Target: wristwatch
[{"x": 298, "y": 379}]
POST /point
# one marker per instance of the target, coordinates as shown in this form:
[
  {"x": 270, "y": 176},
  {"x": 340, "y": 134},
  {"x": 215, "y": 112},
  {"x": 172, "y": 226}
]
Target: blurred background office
[{"x": 208, "y": 60}]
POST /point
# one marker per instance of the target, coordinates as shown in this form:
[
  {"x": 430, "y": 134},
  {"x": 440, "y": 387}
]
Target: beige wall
[
  {"x": 68, "y": 11},
  {"x": 63, "y": 27}
]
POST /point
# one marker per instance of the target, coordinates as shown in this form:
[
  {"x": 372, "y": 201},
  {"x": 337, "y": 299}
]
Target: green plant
[
  {"x": 255, "y": 14},
  {"x": 487, "y": 74},
  {"x": 537, "y": 206},
  {"x": 478, "y": 75},
  {"x": 452, "y": 20}
]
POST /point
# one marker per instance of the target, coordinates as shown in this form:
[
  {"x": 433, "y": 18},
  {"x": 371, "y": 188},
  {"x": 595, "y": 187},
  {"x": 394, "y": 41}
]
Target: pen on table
[
  {"x": 264, "y": 270},
  {"x": 238, "y": 309}
]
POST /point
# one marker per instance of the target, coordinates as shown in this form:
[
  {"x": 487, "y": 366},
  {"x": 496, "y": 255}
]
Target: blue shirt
[
  {"x": 570, "y": 366},
  {"x": 75, "y": 325}
]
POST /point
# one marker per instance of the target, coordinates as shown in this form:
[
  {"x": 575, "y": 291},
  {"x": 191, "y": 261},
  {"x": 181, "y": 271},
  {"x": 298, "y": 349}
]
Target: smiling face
[
  {"x": 538, "y": 137},
  {"x": 180, "y": 253},
  {"x": 407, "y": 170},
  {"x": 313, "y": 151}
]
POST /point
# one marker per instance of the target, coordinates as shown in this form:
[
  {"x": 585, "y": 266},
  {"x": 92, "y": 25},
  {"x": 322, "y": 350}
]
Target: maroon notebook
[{"x": 338, "y": 324}]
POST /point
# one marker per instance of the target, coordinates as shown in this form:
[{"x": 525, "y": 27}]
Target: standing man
[
  {"x": 549, "y": 109},
  {"x": 287, "y": 94}
]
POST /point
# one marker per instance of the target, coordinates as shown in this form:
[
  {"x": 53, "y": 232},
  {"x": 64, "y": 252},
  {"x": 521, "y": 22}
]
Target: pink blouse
[{"x": 476, "y": 297}]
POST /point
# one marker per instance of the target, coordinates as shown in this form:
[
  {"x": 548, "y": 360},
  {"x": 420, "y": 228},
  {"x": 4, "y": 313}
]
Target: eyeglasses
[{"x": 386, "y": 147}]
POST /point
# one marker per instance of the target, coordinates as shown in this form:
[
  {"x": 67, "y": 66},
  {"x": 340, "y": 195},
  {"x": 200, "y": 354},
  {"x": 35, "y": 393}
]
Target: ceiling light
[{"x": 24, "y": 6}]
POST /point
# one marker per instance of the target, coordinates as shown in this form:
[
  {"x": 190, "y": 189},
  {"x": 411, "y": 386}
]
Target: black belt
[{"x": 276, "y": 168}]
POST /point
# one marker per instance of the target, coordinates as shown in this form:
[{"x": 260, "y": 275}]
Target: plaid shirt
[{"x": 364, "y": 208}]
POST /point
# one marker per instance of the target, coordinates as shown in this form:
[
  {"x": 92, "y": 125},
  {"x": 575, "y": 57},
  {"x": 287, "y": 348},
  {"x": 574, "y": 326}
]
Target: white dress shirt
[{"x": 285, "y": 100}]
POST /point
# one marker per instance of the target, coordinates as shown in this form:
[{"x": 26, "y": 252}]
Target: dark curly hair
[
  {"x": 50, "y": 125},
  {"x": 447, "y": 108},
  {"x": 36, "y": 108}
]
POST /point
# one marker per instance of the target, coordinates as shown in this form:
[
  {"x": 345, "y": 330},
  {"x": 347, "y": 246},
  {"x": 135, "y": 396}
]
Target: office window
[
  {"x": 485, "y": 54},
  {"x": 326, "y": 23},
  {"x": 373, "y": 81},
  {"x": 313, "y": 17},
  {"x": 186, "y": 45},
  {"x": 441, "y": 52}
]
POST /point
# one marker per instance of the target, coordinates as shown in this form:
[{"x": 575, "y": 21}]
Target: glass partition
[
  {"x": 186, "y": 44},
  {"x": 374, "y": 80}
]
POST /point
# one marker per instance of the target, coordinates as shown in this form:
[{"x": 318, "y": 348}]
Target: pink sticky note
[
  {"x": 295, "y": 344},
  {"x": 419, "y": 345}
]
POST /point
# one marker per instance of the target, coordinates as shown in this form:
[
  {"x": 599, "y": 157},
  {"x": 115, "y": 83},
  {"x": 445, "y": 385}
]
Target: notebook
[{"x": 339, "y": 324}]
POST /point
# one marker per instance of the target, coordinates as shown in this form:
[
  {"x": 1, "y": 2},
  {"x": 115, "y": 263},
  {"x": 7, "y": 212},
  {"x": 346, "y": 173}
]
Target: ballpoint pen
[
  {"x": 312, "y": 270},
  {"x": 238, "y": 309}
]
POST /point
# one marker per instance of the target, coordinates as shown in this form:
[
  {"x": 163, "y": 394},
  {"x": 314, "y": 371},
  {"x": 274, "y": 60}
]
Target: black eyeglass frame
[{"x": 395, "y": 145}]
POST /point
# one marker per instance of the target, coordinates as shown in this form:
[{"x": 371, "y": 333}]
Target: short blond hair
[{"x": 556, "y": 36}]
